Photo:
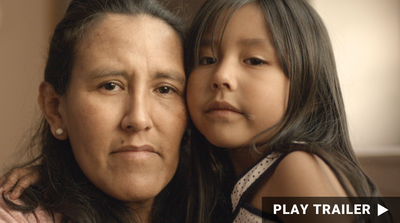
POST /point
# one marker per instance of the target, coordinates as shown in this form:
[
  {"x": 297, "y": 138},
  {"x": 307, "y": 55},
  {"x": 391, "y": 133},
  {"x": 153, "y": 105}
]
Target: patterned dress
[{"x": 243, "y": 212}]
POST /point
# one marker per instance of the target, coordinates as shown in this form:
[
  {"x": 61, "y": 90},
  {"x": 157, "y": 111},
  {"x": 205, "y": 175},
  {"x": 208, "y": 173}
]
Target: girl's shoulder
[
  {"x": 298, "y": 174},
  {"x": 303, "y": 174}
]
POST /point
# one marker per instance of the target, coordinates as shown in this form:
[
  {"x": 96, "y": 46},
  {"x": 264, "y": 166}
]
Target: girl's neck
[{"x": 242, "y": 159}]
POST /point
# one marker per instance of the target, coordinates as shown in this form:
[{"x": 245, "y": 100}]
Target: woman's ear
[{"x": 49, "y": 102}]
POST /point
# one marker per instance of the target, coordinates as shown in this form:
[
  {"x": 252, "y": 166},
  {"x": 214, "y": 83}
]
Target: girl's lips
[{"x": 221, "y": 106}]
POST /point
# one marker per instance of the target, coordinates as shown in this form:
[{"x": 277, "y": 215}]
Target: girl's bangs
[{"x": 215, "y": 16}]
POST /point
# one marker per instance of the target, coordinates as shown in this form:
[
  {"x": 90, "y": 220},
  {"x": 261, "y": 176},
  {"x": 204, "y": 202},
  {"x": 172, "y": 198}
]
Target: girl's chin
[{"x": 228, "y": 144}]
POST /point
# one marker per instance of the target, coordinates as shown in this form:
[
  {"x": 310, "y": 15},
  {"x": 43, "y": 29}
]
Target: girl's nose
[
  {"x": 224, "y": 77},
  {"x": 138, "y": 115}
]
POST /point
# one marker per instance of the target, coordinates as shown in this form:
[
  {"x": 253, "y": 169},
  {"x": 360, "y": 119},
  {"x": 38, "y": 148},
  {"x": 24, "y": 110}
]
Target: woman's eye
[
  {"x": 164, "y": 90},
  {"x": 207, "y": 61},
  {"x": 254, "y": 61},
  {"x": 110, "y": 86}
]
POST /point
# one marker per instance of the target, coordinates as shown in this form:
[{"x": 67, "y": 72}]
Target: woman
[{"x": 114, "y": 117}]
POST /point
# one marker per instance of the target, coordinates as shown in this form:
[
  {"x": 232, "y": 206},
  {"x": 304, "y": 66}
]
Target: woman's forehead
[{"x": 124, "y": 43}]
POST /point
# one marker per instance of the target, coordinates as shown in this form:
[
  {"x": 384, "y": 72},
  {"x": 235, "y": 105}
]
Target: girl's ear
[{"x": 49, "y": 102}]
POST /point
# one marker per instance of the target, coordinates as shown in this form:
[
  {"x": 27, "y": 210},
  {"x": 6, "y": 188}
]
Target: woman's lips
[{"x": 136, "y": 152}]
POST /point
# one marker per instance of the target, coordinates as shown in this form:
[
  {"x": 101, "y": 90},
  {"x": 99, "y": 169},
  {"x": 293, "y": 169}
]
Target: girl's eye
[
  {"x": 110, "y": 86},
  {"x": 207, "y": 61},
  {"x": 254, "y": 61},
  {"x": 164, "y": 90}
]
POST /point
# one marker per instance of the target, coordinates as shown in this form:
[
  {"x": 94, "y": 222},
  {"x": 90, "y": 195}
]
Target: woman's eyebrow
[
  {"x": 173, "y": 75},
  {"x": 104, "y": 73}
]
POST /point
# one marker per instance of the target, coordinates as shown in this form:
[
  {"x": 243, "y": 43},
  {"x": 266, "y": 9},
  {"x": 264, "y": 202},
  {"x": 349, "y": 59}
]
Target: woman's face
[{"x": 125, "y": 111}]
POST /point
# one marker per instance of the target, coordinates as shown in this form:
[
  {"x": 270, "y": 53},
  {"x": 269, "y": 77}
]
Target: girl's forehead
[{"x": 232, "y": 18}]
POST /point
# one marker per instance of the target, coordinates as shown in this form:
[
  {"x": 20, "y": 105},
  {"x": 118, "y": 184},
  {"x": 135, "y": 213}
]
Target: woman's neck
[
  {"x": 143, "y": 210},
  {"x": 145, "y": 215}
]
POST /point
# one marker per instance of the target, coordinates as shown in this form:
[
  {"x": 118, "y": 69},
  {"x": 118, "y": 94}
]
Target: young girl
[
  {"x": 268, "y": 114},
  {"x": 264, "y": 92}
]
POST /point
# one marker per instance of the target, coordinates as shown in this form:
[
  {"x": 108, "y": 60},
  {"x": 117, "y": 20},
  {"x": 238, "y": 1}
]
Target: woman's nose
[
  {"x": 138, "y": 115},
  {"x": 224, "y": 77}
]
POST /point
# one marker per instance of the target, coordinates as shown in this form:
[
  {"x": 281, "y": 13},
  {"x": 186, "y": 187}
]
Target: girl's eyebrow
[
  {"x": 256, "y": 41},
  {"x": 206, "y": 42}
]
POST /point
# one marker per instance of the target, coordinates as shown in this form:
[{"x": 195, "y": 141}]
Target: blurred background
[{"x": 365, "y": 36}]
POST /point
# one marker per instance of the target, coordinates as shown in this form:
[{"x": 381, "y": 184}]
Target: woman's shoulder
[
  {"x": 303, "y": 174},
  {"x": 9, "y": 215}
]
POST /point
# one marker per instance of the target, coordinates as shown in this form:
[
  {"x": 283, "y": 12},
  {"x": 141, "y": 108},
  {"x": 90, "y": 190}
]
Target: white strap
[{"x": 252, "y": 175}]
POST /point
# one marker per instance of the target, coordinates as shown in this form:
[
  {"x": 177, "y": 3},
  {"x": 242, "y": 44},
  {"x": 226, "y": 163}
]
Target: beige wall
[
  {"x": 365, "y": 33},
  {"x": 366, "y": 40},
  {"x": 24, "y": 30}
]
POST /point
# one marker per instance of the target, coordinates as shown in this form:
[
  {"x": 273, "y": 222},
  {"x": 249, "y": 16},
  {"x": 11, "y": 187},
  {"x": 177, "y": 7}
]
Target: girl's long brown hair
[{"x": 315, "y": 113}]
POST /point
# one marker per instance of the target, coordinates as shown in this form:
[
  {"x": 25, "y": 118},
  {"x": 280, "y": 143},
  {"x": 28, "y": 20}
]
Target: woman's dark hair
[
  {"x": 62, "y": 187},
  {"x": 315, "y": 113}
]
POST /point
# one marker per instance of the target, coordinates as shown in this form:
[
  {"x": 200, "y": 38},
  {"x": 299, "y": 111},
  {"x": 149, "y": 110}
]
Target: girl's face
[
  {"x": 125, "y": 111},
  {"x": 242, "y": 91}
]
